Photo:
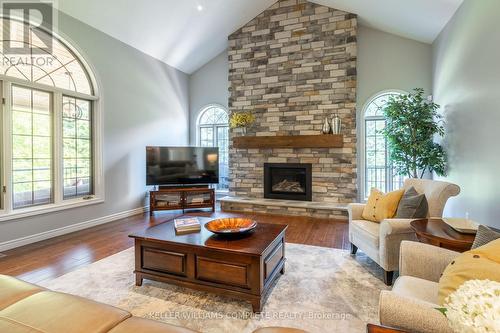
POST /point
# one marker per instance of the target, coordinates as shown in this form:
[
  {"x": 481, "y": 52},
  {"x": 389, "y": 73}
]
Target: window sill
[{"x": 45, "y": 209}]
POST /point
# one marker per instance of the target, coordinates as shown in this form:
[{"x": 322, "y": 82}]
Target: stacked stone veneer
[{"x": 291, "y": 66}]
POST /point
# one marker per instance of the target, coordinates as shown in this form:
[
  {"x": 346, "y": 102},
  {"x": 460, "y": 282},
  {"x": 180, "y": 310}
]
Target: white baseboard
[{"x": 11, "y": 244}]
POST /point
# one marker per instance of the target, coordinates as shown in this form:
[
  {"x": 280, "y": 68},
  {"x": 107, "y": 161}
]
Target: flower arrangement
[
  {"x": 241, "y": 119},
  {"x": 474, "y": 307}
]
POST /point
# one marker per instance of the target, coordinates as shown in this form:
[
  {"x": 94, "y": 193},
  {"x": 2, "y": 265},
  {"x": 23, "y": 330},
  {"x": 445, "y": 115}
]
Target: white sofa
[{"x": 381, "y": 241}]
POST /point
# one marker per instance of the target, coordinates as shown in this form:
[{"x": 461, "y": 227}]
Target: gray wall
[
  {"x": 208, "y": 85},
  {"x": 387, "y": 62},
  {"x": 466, "y": 78},
  {"x": 145, "y": 102}
]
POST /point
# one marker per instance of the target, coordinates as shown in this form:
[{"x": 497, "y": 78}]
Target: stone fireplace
[
  {"x": 289, "y": 181},
  {"x": 292, "y": 66}
]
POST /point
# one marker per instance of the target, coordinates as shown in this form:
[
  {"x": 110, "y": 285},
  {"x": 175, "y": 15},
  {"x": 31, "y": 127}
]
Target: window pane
[
  {"x": 21, "y": 123},
  {"x": 31, "y": 147},
  {"x": 41, "y": 124},
  {"x": 207, "y": 136},
  {"x": 21, "y": 99},
  {"x": 69, "y": 128},
  {"x": 222, "y": 143},
  {"x": 376, "y": 156},
  {"x": 77, "y": 147}
]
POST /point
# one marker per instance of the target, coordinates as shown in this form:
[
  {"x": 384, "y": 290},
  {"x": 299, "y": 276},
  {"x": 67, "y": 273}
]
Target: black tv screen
[{"x": 182, "y": 165}]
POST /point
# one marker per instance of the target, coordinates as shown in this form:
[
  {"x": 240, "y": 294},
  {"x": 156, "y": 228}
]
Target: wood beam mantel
[{"x": 292, "y": 141}]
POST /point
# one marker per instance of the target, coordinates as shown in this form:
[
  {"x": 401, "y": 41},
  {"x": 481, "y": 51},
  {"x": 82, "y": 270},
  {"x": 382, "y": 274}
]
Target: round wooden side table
[{"x": 436, "y": 232}]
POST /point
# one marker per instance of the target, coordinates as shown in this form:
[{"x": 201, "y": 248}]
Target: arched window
[
  {"x": 50, "y": 136},
  {"x": 213, "y": 131},
  {"x": 377, "y": 170}
]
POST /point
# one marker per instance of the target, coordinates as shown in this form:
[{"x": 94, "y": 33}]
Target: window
[
  {"x": 377, "y": 170},
  {"x": 31, "y": 114},
  {"x": 77, "y": 148},
  {"x": 213, "y": 131},
  {"x": 49, "y": 141}
]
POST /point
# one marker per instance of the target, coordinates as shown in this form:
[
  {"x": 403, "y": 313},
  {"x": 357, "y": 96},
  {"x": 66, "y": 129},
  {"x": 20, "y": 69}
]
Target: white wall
[
  {"x": 208, "y": 85},
  {"x": 144, "y": 102},
  {"x": 466, "y": 78}
]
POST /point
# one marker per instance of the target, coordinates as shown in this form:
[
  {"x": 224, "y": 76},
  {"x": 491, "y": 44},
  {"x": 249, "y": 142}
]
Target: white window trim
[
  {"x": 198, "y": 118},
  {"x": 7, "y": 213},
  {"x": 198, "y": 126},
  {"x": 362, "y": 126}
]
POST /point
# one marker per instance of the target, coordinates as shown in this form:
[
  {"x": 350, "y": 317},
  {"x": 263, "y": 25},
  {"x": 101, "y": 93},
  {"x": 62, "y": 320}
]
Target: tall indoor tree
[{"x": 412, "y": 125}]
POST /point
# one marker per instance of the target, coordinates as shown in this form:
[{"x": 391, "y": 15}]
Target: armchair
[
  {"x": 412, "y": 302},
  {"x": 381, "y": 241}
]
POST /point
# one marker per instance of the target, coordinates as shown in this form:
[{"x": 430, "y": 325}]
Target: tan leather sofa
[
  {"x": 412, "y": 302},
  {"x": 27, "y": 308},
  {"x": 381, "y": 241}
]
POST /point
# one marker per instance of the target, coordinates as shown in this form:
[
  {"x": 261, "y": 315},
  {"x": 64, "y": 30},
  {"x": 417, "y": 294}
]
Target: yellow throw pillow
[
  {"x": 382, "y": 206},
  {"x": 482, "y": 263}
]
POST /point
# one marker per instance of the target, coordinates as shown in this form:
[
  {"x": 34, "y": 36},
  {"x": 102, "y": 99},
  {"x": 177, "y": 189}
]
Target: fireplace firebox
[{"x": 289, "y": 181}]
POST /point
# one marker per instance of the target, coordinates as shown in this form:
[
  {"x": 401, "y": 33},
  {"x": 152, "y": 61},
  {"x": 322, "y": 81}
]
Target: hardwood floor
[{"x": 54, "y": 257}]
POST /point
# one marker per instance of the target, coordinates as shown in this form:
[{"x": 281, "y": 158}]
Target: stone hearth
[{"x": 285, "y": 207}]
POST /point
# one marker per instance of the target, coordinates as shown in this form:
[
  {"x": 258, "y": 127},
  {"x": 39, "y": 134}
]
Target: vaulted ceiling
[{"x": 186, "y": 34}]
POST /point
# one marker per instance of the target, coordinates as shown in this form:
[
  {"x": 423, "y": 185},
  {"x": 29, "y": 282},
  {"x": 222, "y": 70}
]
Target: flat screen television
[{"x": 182, "y": 165}]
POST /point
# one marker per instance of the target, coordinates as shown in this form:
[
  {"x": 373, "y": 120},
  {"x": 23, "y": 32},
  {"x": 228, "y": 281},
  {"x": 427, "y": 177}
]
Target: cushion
[
  {"x": 13, "y": 290},
  {"x": 367, "y": 231},
  {"x": 53, "y": 312},
  {"x": 7, "y": 325},
  {"x": 412, "y": 205},
  {"x": 140, "y": 325},
  {"x": 381, "y": 206},
  {"x": 416, "y": 288},
  {"x": 481, "y": 264},
  {"x": 484, "y": 235}
]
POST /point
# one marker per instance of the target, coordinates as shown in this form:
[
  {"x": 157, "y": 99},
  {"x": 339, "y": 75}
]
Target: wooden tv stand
[{"x": 174, "y": 198}]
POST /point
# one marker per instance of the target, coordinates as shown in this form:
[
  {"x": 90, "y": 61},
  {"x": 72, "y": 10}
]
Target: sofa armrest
[
  {"x": 355, "y": 211},
  {"x": 423, "y": 260},
  {"x": 395, "y": 226},
  {"x": 391, "y": 233},
  {"x": 411, "y": 315}
]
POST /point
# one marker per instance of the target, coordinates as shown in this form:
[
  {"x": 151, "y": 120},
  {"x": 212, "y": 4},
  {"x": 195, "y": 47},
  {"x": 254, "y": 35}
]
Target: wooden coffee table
[
  {"x": 242, "y": 267},
  {"x": 437, "y": 232}
]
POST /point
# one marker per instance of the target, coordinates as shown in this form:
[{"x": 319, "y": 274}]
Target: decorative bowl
[{"x": 231, "y": 226}]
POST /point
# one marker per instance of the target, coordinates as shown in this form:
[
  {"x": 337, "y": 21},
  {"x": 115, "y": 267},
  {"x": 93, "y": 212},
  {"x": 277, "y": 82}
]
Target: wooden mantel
[{"x": 290, "y": 141}]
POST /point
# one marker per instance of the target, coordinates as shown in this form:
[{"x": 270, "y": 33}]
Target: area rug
[{"x": 323, "y": 290}]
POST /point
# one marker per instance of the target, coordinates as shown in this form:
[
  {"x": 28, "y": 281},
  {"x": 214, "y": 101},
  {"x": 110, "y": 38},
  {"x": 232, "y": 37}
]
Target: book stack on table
[{"x": 187, "y": 225}]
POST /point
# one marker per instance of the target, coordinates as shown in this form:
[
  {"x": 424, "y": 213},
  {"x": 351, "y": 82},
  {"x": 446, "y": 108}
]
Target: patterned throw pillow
[
  {"x": 412, "y": 205},
  {"x": 482, "y": 263},
  {"x": 484, "y": 235},
  {"x": 381, "y": 206}
]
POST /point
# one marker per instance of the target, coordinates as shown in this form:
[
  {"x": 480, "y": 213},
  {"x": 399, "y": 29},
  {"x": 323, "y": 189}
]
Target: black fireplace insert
[{"x": 289, "y": 181}]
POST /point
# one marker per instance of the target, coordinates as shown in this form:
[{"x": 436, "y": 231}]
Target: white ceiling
[{"x": 179, "y": 34}]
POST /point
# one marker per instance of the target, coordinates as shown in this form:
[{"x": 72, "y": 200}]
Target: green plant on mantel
[
  {"x": 241, "y": 119},
  {"x": 412, "y": 124}
]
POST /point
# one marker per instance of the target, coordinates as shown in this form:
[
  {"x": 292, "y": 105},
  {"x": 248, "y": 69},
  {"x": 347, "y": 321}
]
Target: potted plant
[
  {"x": 241, "y": 120},
  {"x": 412, "y": 122}
]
